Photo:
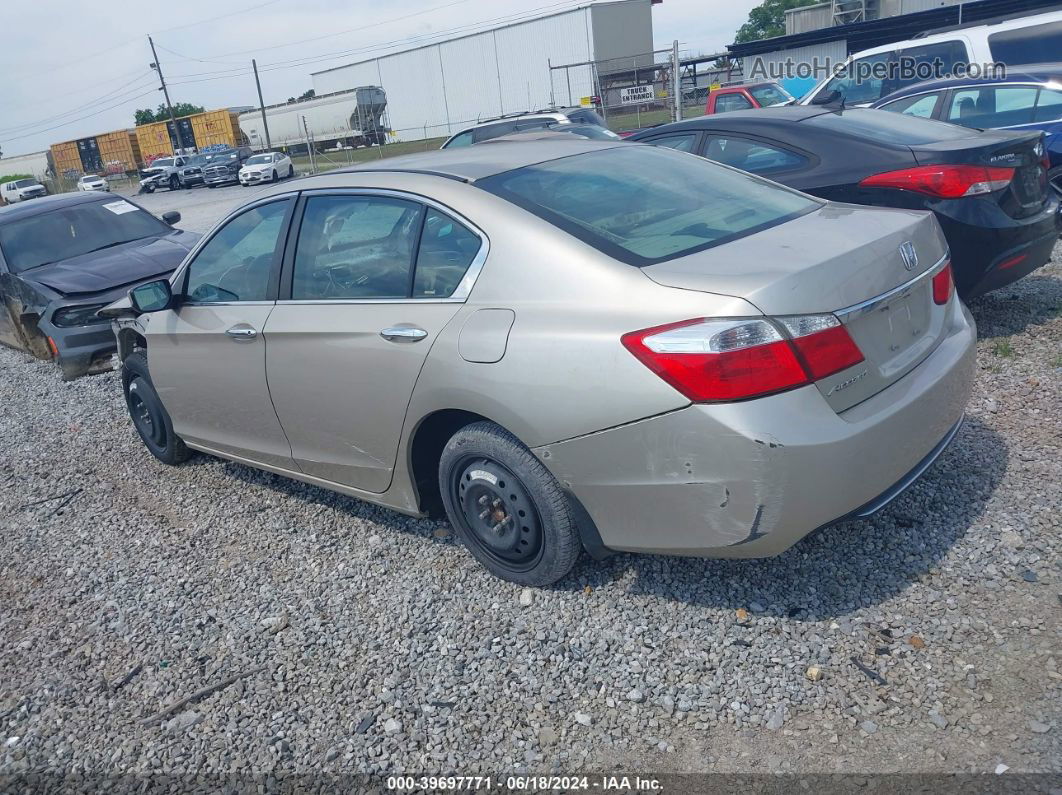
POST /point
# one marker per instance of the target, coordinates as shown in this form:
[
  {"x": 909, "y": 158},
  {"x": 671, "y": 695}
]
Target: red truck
[{"x": 746, "y": 96}]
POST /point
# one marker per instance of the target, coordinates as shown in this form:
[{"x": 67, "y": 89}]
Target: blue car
[{"x": 1028, "y": 98}]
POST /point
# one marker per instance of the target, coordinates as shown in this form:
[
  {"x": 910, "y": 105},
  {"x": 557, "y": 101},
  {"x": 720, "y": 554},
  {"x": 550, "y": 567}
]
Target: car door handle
[
  {"x": 403, "y": 334},
  {"x": 242, "y": 333}
]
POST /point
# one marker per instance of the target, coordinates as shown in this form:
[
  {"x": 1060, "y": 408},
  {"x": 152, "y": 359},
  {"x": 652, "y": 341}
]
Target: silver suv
[{"x": 521, "y": 122}]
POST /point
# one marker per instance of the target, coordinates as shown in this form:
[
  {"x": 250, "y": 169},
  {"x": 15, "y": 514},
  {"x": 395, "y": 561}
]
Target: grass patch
[
  {"x": 1003, "y": 349},
  {"x": 1057, "y": 362}
]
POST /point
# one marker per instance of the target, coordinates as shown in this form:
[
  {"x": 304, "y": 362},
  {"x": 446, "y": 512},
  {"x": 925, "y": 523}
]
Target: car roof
[
  {"x": 470, "y": 163},
  {"x": 47, "y": 203},
  {"x": 1030, "y": 73},
  {"x": 788, "y": 113}
]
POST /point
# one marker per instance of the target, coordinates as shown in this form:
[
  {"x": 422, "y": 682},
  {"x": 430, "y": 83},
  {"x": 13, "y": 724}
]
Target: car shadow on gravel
[
  {"x": 839, "y": 569},
  {"x": 1032, "y": 301}
]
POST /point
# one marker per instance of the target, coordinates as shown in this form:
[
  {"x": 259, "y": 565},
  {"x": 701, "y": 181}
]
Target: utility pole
[
  {"x": 165, "y": 92},
  {"x": 261, "y": 104},
  {"x": 309, "y": 146}
]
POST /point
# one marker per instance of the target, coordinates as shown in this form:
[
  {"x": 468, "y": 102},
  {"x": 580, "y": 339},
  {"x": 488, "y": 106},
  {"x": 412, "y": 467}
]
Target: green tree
[
  {"x": 148, "y": 116},
  {"x": 144, "y": 116},
  {"x": 768, "y": 20}
]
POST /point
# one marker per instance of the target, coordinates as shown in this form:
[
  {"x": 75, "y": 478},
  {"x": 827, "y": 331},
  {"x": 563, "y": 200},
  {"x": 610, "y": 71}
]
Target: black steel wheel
[
  {"x": 174, "y": 182},
  {"x": 149, "y": 416},
  {"x": 506, "y": 507},
  {"x": 497, "y": 512}
]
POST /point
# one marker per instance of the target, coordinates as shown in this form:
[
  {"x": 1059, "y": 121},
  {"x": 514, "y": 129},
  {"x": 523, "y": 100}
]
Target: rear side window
[
  {"x": 748, "y": 155},
  {"x": 1001, "y": 106},
  {"x": 681, "y": 143},
  {"x": 464, "y": 139},
  {"x": 364, "y": 247},
  {"x": 1034, "y": 44},
  {"x": 920, "y": 106},
  {"x": 354, "y": 247},
  {"x": 1048, "y": 105},
  {"x": 645, "y": 204},
  {"x": 725, "y": 103},
  {"x": 887, "y": 128}
]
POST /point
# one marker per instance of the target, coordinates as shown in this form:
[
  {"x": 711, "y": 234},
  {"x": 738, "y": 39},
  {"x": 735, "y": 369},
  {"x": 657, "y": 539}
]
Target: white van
[
  {"x": 868, "y": 75},
  {"x": 19, "y": 190}
]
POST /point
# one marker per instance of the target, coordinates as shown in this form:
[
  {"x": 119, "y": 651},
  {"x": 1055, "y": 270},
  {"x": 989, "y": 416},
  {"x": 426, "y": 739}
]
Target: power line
[
  {"x": 81, "y": 118},
  {"x": 109, "y": 96}
]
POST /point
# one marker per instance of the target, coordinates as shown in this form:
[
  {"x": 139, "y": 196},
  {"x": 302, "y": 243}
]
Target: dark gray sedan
[{"x": 64, "y": 257}]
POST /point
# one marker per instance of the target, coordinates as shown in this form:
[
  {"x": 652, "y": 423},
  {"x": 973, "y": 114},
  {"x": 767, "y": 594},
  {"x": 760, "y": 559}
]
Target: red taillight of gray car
[
  {"x": 944, "y": 181},
  {"x": 943, "y": 286},
  {"x": 714, "y": 360}
]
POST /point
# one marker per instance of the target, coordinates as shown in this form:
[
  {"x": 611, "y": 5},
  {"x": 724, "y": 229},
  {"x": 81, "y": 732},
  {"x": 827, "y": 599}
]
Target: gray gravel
[{"x": 217, "y": 619}]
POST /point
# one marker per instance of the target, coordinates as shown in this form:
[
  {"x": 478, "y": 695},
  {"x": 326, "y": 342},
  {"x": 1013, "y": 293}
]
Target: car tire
[
  {"x": 291, "y": 171},
  {"x": 275, "y": 177},
  {"x": 1054, "y": 177},
  {"x": 506, "y": 507},
  {"x": 174, "y": 182},
  {"x": 150, "y": 418}
]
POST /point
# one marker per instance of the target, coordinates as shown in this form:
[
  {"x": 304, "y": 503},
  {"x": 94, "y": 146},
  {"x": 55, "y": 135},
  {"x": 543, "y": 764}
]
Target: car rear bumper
[
  {"x": 751, "y": 479},
  {"x": 982, "y": 245}
]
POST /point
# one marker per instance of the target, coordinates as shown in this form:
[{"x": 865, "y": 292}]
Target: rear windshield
[
  {"x": 888, "y": 128},
  {"x": 769, "y": 94},
  {"x": 645, "y": 204},
  {"x": 72, "y": 231}
]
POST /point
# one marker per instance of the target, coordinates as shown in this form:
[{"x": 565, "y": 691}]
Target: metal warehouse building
[{"x": 435, "y": 89}]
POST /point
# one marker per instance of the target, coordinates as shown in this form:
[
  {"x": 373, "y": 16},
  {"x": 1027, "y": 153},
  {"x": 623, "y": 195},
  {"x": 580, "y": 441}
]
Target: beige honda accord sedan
[{"x": 562, "y": 345}]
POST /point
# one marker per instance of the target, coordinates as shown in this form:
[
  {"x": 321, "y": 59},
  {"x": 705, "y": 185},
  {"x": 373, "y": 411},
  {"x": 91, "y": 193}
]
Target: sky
[{"x": 71, "y": 71}]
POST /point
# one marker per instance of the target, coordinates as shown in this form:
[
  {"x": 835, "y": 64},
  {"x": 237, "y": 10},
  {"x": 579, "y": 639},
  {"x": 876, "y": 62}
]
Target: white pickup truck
[{"x": 19, "y": 190}]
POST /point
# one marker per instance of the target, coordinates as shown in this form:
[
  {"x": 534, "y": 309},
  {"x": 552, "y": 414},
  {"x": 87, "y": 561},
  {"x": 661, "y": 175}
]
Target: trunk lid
[
  {"x": 826, "y": 262},
  {"x": 1021, "y": 151}
]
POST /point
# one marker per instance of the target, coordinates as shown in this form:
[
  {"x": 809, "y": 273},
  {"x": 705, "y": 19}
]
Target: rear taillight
[
  {"x": 944, "y": 181},
  {"x": 710, "y": 360},
  {"x": 943, "y": 286}
]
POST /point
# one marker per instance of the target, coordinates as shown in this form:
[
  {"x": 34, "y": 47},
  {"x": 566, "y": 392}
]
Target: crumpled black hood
[{"x": 105, "y": 270}]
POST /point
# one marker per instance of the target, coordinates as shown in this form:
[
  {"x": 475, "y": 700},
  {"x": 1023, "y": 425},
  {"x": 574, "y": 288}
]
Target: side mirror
[
  {"x": 171, "y": 217},
  {"x": 827, "y": 99},
  {"x": 151, "y": 296}
]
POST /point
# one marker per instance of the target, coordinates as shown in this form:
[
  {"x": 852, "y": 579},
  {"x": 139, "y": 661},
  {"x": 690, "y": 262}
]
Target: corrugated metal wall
[
  {"x": 434, "y": 91},
  {"x": 774, "y": 63}
]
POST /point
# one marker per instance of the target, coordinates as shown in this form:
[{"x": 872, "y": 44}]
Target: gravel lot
[{"x": 369, "y": 642}]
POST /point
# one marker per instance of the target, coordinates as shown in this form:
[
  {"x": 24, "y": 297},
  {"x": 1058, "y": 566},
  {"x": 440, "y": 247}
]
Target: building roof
[{"x": 877, "y": 32}]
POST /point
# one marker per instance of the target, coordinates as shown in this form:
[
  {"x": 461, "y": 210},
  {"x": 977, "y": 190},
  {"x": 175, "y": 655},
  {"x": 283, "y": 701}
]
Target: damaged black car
[{"x": 64, "y": 257}]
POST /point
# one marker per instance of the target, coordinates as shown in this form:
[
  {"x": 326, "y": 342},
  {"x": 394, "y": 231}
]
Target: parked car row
[
  {"x": 217, "y": 167},
  {"x": 768, "y": 301}
]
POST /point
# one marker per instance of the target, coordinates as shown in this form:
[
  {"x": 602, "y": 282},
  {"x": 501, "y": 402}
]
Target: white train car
[{"x": 353, "y": 117}]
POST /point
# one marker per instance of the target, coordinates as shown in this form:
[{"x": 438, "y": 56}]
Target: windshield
[
  {"x": 162, "y": 162},
  {"x": 73, "y": 231},
  {"x": 25, "y": 183},
  {"x": 646, "y": 204},
  {"x": 251, "y": 161},
  {"x": 197, "y": 160},
  {"x": 90, "y": 178},
  {"x": 770, "y": 94}
]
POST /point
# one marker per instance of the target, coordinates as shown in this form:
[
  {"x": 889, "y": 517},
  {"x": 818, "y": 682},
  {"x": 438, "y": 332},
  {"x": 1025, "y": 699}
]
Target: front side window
[
  {"x": 237, "y": 263},
  {"x": 681, "y": 143},
  {"x": 725, "y": 103},
  {"x": 645, "y": 204},
  {"x": 928, "y": 61},
  {"x": 355, "y": 247},
  {"x": 999, "y": 106},
  {"x": 75, "y": 231},
  {"x": 751, "y": 156},
  {"x": 921, "y": 106}
]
